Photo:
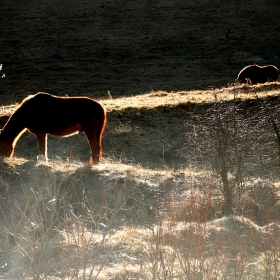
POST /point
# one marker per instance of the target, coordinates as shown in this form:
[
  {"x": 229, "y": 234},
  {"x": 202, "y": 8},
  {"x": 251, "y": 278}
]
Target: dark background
[{"x": 91, "y": 47}]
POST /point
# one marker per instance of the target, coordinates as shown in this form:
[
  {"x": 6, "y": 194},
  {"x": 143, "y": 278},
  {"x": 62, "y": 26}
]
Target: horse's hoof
[
  {"x": 91, "y": 161},
  {"x": 42, "y": 158}
]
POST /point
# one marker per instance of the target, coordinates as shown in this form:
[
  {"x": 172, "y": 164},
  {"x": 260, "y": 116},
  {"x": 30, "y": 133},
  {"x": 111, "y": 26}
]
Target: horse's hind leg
[{"x": 95, "y": 145}]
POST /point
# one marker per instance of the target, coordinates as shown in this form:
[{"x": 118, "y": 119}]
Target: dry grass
[
  {"x": 124, "y": 220},
  {"x": 118, "y": 221},
  {"x": 155, "y": 99}
]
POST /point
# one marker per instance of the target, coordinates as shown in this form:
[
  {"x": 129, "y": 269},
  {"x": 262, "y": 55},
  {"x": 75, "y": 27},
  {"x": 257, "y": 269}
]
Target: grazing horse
[
  {"x": 42, "y": 114},
  {"x": 254, "y": 74}
]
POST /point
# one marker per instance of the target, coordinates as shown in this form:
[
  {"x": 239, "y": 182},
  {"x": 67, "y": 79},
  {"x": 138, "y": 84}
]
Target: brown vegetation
[{"x": 123, "y": 219}]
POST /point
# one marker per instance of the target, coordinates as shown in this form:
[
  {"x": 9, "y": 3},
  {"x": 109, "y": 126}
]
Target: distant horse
[
  {"x": 254, "y": 74},
  {"x": 42, "y": 114}
]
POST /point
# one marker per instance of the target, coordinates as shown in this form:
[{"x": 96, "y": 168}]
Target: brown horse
[
  {"x": 42, "y": 114},
  {"x": 254, "y": 74}
]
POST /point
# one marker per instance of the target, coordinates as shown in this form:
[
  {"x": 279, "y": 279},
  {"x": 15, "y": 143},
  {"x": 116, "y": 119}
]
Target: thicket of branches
[{"x": 238, "y": 140}]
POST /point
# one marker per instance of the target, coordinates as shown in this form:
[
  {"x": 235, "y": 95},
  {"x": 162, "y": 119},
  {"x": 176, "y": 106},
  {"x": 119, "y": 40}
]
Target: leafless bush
[
  {"x": 238, "y": 140},
  {"x": 270, "y": 112}
]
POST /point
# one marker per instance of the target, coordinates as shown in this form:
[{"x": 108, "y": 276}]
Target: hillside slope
[{"x": 127, "y": 47}]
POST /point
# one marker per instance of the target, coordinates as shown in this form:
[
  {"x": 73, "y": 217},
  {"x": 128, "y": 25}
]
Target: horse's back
[
  {"x": 45, "y": 111},
  {"x": 49, "y": 105}
]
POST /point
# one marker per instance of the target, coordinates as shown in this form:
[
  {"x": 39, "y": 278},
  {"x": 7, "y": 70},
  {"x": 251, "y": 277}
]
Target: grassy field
[
  {"x": 189, "y": 184},
  {"x": 143, "y": 213}
]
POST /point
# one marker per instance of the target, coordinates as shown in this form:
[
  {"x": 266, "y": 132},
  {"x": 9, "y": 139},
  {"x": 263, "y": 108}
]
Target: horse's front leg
[{"x": 42, "y": 143}]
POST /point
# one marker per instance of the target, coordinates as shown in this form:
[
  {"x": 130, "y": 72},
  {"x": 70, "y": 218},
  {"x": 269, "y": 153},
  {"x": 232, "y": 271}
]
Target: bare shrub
[{"x": 238, "y": 140}]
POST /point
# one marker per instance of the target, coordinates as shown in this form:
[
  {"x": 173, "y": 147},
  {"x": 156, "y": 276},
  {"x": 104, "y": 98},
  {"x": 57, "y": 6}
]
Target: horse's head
[{"x": 6, "y": 147}]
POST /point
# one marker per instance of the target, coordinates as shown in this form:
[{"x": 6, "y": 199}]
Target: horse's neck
[{"x": 13, "y": 127}]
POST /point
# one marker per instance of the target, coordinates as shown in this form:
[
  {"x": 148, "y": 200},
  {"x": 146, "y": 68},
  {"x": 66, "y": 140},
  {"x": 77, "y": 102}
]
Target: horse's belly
[
  {"x": 56, "y": 129},
  {"x": 63, "y": 134},
  {"x": 65, "y": 130}
]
